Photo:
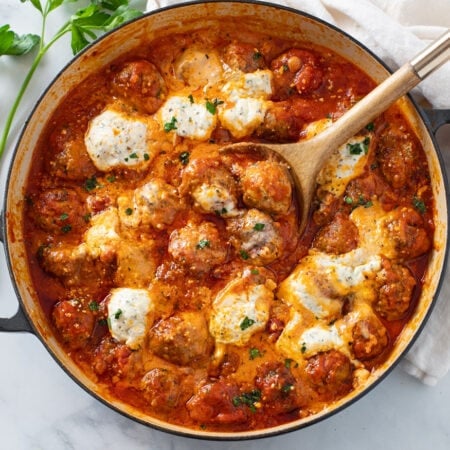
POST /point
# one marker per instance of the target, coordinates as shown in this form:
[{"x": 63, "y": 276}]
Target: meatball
[
  {"x": 399, "y": 159},
  {"x": 369, "y": 338},
  {"x": 279, "y": 390},
  {"x": 256, "y": 237},
  {"x": 59, "y": 211},
  {"x": 394, "y": 295},
  {"x": 340, "y": 236},
  {"x": 296, "y": 68},
  {"x": 211, "y": 186},
  {"x": 71, "y": 160},
  {"x": 267, "y": 186},
  {"x": 140, "y": 84},
  {"x": 111, "y": 357},
  {"x": 161, "y": 388},
  {"x": 406, "y": 230},
  {"x": 330, "y": 373},
  {"x": 74, "y": 322},
  {"x": 217, "y": 403},
  {"x": 182, "y": 339},
  {"x": 156, "y": 203},
  {"x": 244, "y": 57},
  {"x": 199, "y": 248}
]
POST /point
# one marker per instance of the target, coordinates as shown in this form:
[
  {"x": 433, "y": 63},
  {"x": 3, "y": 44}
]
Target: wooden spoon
[{"x": 306, "y": 158}]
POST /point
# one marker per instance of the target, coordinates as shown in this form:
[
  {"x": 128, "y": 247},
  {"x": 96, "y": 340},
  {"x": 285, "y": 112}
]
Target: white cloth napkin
[{"x": 396, "y": 31}]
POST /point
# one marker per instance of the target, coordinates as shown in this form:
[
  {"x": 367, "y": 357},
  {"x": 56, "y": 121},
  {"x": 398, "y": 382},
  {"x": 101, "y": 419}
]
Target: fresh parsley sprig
[{"x": 85, "y": 25}]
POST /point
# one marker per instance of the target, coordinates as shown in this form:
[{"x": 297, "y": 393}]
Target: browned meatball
[
  {"x": 244, "y": 57},
  {"x": 256, "y": 237},
  {"x": 394, "y": 295},
  {"x": 111, "y": 357},
  {"x": 76, "y": 269},
  {"x": 279, "y": 390},
  {"x": 74, "y": 322},
  {"x": 296, "y": 68},
  {"x": 331, "y": 373},
  {"x": 369, "y": 338},
  {"x": 140, "y": 84},
  {"x": 182, "y": 339},
  {"x": 267, "y": 186},
  {"x": 407, "y": 230},
  {"x": 339, "y": 236},
  {"x": 399, "y": 158},
  {"x": 59, "y": 211},
  {"x": 161, "y": 388},
  {"x": 210, "y": 185},
  {"x": 217, "y": 403},
  {"x": 199, "y": 248},
  {"x": 72, "y": 161}
]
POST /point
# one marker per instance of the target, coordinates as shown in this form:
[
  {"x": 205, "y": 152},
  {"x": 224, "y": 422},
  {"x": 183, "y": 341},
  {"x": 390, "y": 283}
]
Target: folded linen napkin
[{"x": 396, "y": 32}]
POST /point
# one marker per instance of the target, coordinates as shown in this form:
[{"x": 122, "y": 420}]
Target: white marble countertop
[{"x": 42, "y": 408}]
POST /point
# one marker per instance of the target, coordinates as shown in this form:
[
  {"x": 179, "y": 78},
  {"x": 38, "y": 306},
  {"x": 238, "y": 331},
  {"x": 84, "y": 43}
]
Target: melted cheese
[
  {"x": 128, "y": 315},
  {"x": 343, "y": 166},
  {"x": 240, "y": 310},
  {"x": 246, "y": 102},
  {"x": 114, "y": 139},
  {"x": 320, "y": 281},
  {"x": 188, "y": 118},
  {"x": 215, "y": 199}
]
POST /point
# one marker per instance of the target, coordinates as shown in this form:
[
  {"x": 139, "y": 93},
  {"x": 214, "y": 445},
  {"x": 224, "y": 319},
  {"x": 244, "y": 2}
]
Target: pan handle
[
  {"x": 19, "y": 321},
  {"x": 437, "y": 118}
]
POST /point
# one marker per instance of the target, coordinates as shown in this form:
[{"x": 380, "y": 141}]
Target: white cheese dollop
[
  {"x": 188, "y": 118},
  {"x": 240, "y": 310},
  {"x": 128, "y": 315},
  {"x": 114, "y": 139}
]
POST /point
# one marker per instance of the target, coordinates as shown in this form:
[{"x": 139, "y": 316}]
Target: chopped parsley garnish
[
  {"x": 303, "y": 348},
  {"x": 93, "y": 306},
  {"x": 128, "y": 211},
  {"x": 87, "y": 217},
  {"x": 359, "y": 147},
  {"x": 146, "y": 156},
  {"x": 257, "y": 55},
  {"x": 66, "y": 228},
  {"x": 184, "y": 158},
  {"x": 221, "y": 211},
  {"x": 172, "y": 125},
  {"x": 244, "y": 254},
  {"x": 419, "y": 204},
  {"x": 249, "y": 399},
  {"x": 64, "y": 216},
  {"x": 191, "y": 99},
  {"x": 110, "y": 178},
  {"x": 91, "y": 183},
  {"x": 348, "y": 200},
  {"x": 203, "y": 244},
  {"x": 254, "y": 353},
  {"x": 212, "y": 106},
  {"x": 117, "y": 314},
  {"x": 259, "y": 226},
  {"x": 246, "y": 323},
  {"x": 288, "y": 363},
  {"x": 254, "y": 271},
  {"x": 103, "y": 322},
  {"x": 134, "y": 156},
  {"x": 370, "y": 126},
  {"x": 286, "y": 388}
]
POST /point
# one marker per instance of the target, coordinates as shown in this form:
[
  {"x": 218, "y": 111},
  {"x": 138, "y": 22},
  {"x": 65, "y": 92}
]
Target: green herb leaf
[
  {"x": 93, "y": 306},
  {"x": 259, "y": 226},
  {"x": 370, "y": 126},
  {"x": 419, "y": 204},
  {"x": 203, "y": 244},
  {"x": 66, "y": 228},
  {"x": 246, "y": 323},
  {"x": 244, "y": 255},
  {"x": 15, "y": 45},
  {"x": 64, "y": 216},
  {"x": 184, "y": 158},
  {"x": 91, "y": 183},
  {"x": 254, "y": 353},
  {"x": 172, "y": 125},
  {"x": 128, "y": 211},
  {"x": 212, "y": 106},
  {"x": 117, "y": 314},
  {"x": 359, "y": 147},
  {"x": 249, "y": 399}
]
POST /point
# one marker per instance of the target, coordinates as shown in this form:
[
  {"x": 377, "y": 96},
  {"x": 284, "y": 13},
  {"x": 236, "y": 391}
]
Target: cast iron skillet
[{"x": 271, "y": 18}]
